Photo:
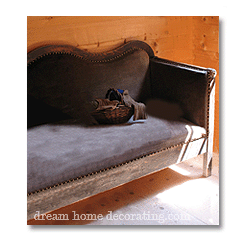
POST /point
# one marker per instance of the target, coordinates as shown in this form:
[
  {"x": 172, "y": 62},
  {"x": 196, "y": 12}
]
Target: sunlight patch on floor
[
  {"x": 198, "y": 196},
  {"x": 180, "y": 170}
]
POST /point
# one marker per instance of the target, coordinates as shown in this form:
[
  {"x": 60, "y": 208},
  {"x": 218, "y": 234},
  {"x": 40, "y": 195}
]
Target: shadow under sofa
[{"x": 69, "y": 158}]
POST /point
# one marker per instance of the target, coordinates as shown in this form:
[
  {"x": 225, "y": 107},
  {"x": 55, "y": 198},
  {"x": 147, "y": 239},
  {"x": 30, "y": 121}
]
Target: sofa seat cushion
[{"x": 63, "y": 151}]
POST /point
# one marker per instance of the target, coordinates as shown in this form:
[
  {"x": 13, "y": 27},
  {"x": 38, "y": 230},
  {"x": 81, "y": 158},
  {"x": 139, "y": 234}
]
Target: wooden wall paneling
[
  {"x": 206, "y": 53},
  {"x": 210, "y": 20},
  {"x": 89, "y": 30},
  {"x": 173, "y": 47},
  {"x": 206, "y": 38},
  {"x": 85, "y": 31},
  {"x": 104, "y": 33},
  {"x": 187, "y": 39}
]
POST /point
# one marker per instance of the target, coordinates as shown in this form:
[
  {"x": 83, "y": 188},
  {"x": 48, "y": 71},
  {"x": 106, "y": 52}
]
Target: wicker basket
[{"x": 119, "y": 115}]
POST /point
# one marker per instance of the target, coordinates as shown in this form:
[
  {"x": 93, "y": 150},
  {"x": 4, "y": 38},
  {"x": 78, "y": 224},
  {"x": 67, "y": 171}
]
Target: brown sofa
[{"x": 70, "y": 158}]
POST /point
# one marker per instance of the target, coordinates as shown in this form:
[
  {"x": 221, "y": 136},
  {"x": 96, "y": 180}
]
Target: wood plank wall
[
  {"x": 192, "y": 40},
  {"x": 206, "y": 54}
]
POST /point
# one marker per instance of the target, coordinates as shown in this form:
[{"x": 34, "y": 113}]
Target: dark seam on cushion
[{"x": 115, "y": 166}]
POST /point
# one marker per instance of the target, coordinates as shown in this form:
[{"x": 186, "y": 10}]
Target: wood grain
[
  {"x": 51, "y": 199},
  {"x": 74, "y": 191},
  {"x": 192, "y": 40},
  {"x": 206, "y": 53},
  {"x": 187, "y": 39}
]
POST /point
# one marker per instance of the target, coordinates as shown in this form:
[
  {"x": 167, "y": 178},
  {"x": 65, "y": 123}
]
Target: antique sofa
[{"x": 69, "y": 158}]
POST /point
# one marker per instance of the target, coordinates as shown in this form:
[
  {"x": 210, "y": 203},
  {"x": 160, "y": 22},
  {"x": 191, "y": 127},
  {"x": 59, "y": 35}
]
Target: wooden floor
[{"x": 178, "y": 195}]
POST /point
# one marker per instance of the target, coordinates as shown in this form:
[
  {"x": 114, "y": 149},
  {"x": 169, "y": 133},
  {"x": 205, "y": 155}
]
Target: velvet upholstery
[
  {"x": 188, "y": 88},
  {"x": 62, "y": 151},
  {"x": 62, "y": 142},
  {"x": 69, "y": 84}
]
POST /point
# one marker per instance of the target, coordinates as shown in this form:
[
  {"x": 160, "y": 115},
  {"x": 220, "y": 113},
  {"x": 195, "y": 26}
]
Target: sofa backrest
[{"x": 68, "y": 79}]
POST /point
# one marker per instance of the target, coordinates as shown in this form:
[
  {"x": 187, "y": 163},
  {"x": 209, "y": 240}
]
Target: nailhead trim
[
  {"x": 210, "y": 74},
  {"x": 211, "y": 79},
  {"x": 115, "y": 166},
  {"x": 91, "y": 54}
]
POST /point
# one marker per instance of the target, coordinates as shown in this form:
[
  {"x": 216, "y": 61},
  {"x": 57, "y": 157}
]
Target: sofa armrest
[{"x": 187, "y": 85}]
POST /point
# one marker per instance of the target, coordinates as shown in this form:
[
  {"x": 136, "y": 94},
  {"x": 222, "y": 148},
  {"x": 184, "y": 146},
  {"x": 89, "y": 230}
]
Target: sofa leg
[{"x": 207, "y": 164}]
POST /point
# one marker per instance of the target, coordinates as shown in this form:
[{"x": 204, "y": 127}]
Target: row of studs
[
  {"x": 115, "y": 166},
  {"x": 85, "y": 58},
  {"x": 94, "y": 61},
  {"x": 210, "y": 77},
  {"x": 118, "y": 56}
]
